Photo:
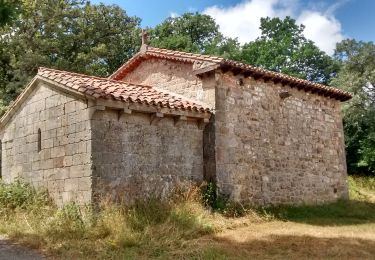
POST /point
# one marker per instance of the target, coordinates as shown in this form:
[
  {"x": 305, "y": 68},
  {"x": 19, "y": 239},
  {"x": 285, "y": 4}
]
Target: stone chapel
[{"x": 166, "y": 119}]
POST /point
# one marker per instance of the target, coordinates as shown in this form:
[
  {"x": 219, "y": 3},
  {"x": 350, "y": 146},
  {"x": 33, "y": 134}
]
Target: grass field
[{"x": 184, "y": 229}]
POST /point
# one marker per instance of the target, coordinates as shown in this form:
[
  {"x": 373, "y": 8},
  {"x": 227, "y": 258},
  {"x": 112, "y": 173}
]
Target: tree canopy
[
  {"x": 72, "y": 35},
  {"x": 193, "y": 32},
  {"x": 282, "y": 47},
  {"x": 357, "y": 75},
  {"x": 8, "y": 11}
]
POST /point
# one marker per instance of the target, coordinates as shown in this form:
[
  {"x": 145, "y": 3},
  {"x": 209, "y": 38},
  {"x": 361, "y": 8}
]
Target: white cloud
[
  {"x": 174, "y": 15},
  {"x": 325, "y": 31},
  {"x": 243, "y": 20}
]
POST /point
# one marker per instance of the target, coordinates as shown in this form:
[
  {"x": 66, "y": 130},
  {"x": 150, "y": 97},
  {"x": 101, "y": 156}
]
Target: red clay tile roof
[
  {"x": 117, "y": 90},
  {"x": 225, "y": 65}
]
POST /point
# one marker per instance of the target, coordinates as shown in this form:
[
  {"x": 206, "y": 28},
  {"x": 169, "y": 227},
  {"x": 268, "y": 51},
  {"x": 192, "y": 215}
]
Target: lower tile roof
[{"x": 105, "y": 88}]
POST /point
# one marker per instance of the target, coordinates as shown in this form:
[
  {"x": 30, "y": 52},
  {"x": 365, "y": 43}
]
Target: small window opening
[
  {"x": 39, "y": 140},
  {"x": 240, "y": 82}
]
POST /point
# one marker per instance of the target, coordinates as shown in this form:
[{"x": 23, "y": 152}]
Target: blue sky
[{"x": 327, "y": 21}]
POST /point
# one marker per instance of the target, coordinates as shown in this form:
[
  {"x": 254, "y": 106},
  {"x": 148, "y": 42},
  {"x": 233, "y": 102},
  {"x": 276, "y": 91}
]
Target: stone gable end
[
  {"x": 174, "y": 76},
  {"x": 47, "y": 142}
]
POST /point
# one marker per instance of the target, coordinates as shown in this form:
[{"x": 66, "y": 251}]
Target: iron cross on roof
[{"x": 144, "y": 35}]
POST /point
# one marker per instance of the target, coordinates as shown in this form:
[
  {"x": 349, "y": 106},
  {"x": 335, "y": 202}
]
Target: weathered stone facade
[
  {"x": 89, "y": 151},
  {"x": 262, "y": 142},
  {"x": 262, "y": 147},
  {"x": 63, "y": 164},
  {"x": 273, "y": 149},
  {"x": 176, "y": 77},
  {"x": 133, "y": 159}
]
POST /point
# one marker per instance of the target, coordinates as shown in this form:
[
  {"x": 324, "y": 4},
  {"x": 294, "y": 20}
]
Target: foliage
[
  {"x": 70, "y": 35},
  {"x": 20, "y": 195},
  {"x": 357, "y": 75},
  {"x": 362, "y": 182},
  {"x": 282, "y": 47},
  {"x": 177, "y": 228},
  {"x": 220, "y": 203},
  {"x": 193, "y": 32},
  {"x": 8, "y": 11}
]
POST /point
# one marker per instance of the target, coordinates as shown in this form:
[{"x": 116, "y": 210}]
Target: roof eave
[
  {"x": 145, "y": 108},
  {"x": 277, "y": 78},
  {"x": 133, "y": 61},
  {"x": 12, "y": 110}
]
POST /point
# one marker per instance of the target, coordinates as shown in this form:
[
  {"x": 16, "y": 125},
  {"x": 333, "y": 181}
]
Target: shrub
[
  {"x": 21, "y": 195},
  {"x": 220, "y": 203}
]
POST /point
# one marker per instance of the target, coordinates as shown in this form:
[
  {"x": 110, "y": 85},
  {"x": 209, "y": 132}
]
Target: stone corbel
[
  {"x": 127, "y": 111},
  {"x": 203, "y": 122},
  {"x": 155, "y": 118},
  {"x": 93, "y": 109},
  {"x": 179, "y": 120}
]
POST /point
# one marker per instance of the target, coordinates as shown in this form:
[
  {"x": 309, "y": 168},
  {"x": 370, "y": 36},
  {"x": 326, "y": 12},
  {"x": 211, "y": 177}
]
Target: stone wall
[
  {"x": 173, "y": 76},
  {"x": 63, "y": 164},
  {"x": 134, "y": 159},
  {"x": 275, "y": 149}
]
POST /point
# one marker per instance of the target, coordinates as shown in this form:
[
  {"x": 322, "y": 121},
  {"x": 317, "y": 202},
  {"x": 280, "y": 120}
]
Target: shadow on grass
[
  {"x": 289, "y": 247},
  {"x": 344, "y": 212}
]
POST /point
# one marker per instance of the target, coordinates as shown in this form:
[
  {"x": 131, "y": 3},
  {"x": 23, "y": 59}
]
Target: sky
[{"x": 326, "y": 21}]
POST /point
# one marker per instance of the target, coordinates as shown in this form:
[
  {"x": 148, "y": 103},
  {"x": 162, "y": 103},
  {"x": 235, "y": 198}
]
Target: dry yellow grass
[
  {"x": 281, "y": 240},
  {"x": 184, "y": 229}
]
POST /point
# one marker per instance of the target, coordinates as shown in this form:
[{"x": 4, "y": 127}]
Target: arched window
[{"x": 39, "y": 140}]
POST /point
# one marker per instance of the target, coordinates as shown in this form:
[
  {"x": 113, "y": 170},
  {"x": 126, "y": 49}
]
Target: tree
[
  {"x": 357, "y": 75},
  {"x": 283, "y": 48},
  {"x": 70, "y": 35},
  {"x": 193, "y": 32},
  {"x": 8, "y": 11}
]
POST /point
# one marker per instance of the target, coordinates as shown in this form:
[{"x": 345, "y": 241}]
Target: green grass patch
[
  {"x": 158, "y": 229},
  {"x": 359, "y": 209}
]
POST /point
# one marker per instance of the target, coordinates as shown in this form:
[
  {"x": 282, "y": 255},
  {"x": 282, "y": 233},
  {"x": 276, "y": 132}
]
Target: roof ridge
[
  {"x": 225, "y": 60},
  {"x": 95, "y": 77},
  {"x": 150, "y": 49},
  {"x": 283, "y": 75},
  {"x": 224, "y": 64}
]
